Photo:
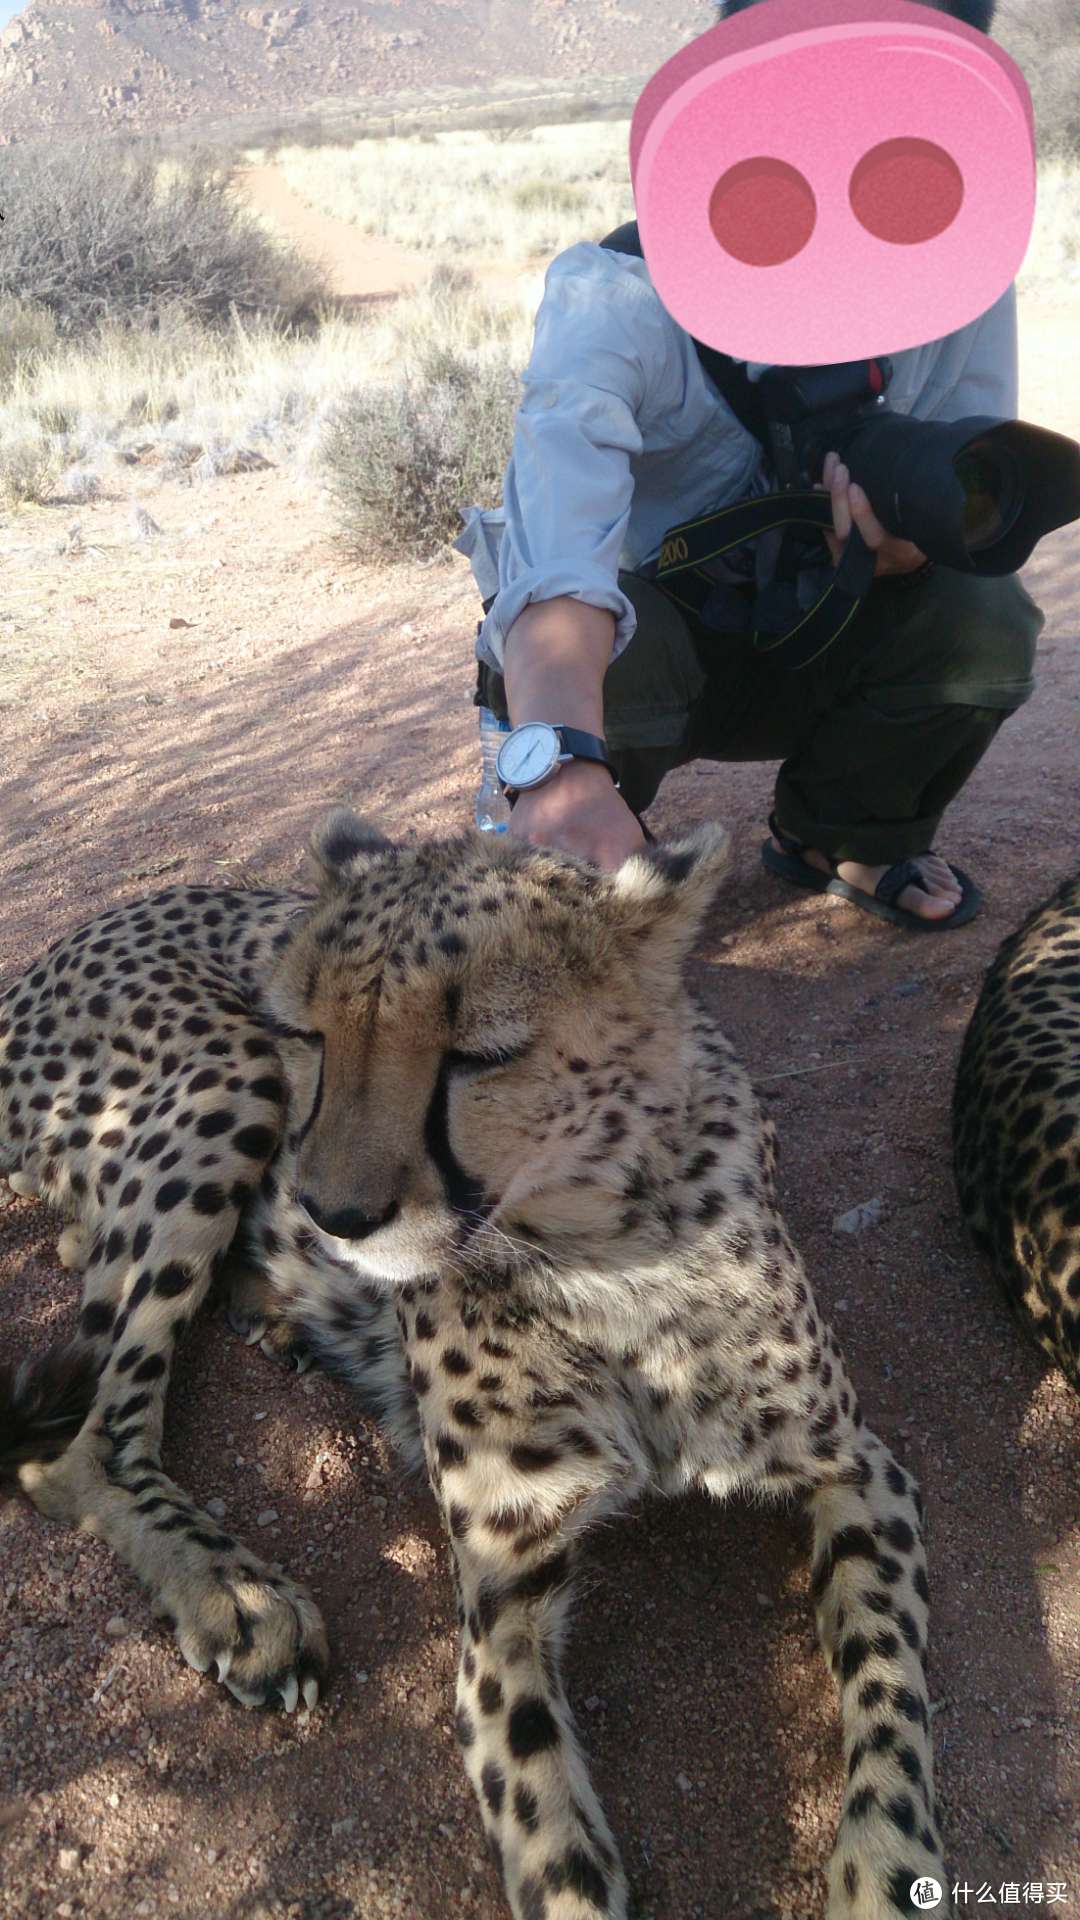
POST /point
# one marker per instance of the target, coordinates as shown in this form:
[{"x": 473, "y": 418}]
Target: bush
[
  {"x": 29, "y": 470},
  {"x": 402, "y": 460},
  {"x": 98, "y": 233},
  {"x": 26, "y": 335}
]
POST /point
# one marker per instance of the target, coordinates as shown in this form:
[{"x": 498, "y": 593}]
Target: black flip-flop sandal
[{"x": 789, "y": 865}]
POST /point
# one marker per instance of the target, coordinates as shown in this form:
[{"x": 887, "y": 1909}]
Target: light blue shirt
[{"x": 620, "y": 435}]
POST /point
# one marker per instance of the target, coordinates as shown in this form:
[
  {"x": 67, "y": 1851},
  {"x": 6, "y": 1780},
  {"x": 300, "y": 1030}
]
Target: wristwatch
[{"x": 531, "y": 754}]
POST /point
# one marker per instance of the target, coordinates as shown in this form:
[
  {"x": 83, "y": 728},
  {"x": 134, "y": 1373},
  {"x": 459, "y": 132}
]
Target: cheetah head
[{"x": 503, "y": 1044}]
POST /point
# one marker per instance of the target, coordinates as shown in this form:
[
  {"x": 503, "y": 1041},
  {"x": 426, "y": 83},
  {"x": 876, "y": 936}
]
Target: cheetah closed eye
[{"x": 491, "y": 1161}]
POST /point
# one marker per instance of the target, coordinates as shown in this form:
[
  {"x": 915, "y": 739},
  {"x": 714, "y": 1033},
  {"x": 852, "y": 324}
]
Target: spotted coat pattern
[
  {"x": 1016, "y": 1124},
  {"x": 456, "y": 1128}
]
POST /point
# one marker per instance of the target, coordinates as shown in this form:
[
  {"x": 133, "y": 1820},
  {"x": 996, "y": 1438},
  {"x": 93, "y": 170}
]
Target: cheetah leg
[
  {"x": 870, "y": 1594},
  {"x": 261, "y": 1630},
  {"x": 544, "y": 1823}
]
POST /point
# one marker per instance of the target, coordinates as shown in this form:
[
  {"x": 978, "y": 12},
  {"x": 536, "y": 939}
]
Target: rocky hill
[{"x": 71, "y": 66}]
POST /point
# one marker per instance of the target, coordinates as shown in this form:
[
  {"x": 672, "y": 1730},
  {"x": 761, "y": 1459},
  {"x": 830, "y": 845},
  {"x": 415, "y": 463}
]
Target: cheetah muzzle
[{"x": 462, "y": 1134}]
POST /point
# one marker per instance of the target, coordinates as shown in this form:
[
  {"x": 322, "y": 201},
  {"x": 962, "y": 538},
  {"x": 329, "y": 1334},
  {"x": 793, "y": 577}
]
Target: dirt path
[
  {"x": 360, "y": 266},
  {"x": 137, "y": 751}
]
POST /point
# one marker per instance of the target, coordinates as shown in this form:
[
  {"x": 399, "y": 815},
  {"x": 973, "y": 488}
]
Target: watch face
[{"x": 528, "y": 755}]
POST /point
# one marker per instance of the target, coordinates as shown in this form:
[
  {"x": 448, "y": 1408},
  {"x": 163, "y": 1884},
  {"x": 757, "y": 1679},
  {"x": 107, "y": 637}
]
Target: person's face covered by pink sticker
[{"x": 827, "y": 180}]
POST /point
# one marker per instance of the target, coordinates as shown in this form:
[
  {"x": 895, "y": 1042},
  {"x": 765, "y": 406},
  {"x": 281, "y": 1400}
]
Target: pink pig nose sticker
[{"x": 826, "y": 182}]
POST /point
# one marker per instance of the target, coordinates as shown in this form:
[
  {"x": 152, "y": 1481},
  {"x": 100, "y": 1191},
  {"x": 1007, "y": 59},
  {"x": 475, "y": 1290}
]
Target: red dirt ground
[{"x": 138, "y": 753}]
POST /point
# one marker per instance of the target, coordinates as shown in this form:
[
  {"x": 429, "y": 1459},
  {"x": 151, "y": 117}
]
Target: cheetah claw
[{"x": 298, "y": 1358}]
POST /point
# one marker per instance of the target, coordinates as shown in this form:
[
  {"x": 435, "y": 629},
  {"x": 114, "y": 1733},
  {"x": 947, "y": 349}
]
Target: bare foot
[{"x": 942, "y": 899}]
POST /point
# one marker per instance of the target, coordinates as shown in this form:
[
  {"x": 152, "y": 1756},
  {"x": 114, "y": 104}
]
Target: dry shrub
[
  {"x": 402, "y": 459},
  {"x": 27, "y": 333},
  {"x": 95, "y": 233}
]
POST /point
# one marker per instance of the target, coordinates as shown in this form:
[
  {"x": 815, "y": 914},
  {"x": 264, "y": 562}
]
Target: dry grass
[{"x": 467, "y": 194}]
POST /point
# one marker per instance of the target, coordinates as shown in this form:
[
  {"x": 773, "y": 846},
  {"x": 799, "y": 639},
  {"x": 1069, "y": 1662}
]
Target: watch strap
[{"x": 586, "y": 746}]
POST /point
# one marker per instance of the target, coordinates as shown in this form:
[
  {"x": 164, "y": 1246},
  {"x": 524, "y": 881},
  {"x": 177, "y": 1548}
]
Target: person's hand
[
  {"x": 580, "y": 811},
  {"x": 850, "y": 504}
]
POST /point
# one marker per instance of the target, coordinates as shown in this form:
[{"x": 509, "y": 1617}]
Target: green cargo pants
[{"x": 876, "y": 737}]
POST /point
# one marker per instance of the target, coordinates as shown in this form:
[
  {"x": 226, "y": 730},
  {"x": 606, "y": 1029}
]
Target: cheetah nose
[{"x": 348, "y": 1223}]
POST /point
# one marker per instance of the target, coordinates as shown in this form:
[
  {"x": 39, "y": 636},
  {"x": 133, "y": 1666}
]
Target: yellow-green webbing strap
[{"x": 687, "y": 547}]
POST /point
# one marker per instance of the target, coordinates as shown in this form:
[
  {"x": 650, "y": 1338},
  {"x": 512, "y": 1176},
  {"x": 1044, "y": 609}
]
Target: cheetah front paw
[
  {"x": 260, "y": 1631},
  {"x": 253, "y": 1311}
]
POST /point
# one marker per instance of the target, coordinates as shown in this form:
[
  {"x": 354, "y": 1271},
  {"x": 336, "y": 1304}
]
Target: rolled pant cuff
[{"x": 877, "y": 845}]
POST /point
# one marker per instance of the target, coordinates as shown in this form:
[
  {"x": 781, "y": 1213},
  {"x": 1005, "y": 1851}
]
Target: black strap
[
  {"x": 586, "y": 746},
  {"x": 781, "y": 625}
]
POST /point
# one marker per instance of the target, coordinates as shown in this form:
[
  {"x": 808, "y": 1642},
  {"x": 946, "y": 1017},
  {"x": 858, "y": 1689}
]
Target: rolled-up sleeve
[{"x": 568, "y": 487}]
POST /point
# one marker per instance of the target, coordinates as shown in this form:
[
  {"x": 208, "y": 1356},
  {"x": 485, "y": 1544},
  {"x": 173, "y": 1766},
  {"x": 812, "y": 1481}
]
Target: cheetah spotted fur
[
  {"x": 456, "y": 1127},
  {"x": 1016, "y": 1124}
]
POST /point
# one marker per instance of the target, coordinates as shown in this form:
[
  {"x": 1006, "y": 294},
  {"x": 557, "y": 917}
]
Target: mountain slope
[{"x": 72, "y": 66}]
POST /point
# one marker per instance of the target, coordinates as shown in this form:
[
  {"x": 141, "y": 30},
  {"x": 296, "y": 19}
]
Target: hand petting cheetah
[
  {"x": 462, "y": 1131},
  {"x": 1016, "y": 1124}
]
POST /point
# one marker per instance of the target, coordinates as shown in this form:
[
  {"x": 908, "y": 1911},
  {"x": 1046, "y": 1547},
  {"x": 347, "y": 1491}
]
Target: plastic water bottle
[{"x": 492, "y": 809}]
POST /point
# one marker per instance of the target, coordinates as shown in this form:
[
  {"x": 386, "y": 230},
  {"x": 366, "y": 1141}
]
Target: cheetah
[
  {"x": 1016, "y": 1124},
  {"x": 456, "y": 1127}
]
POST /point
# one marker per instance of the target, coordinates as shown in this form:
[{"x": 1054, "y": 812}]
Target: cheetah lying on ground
[
  {"x": 1016, "y": 1124},
  {"x": 491, "y": 1162}
]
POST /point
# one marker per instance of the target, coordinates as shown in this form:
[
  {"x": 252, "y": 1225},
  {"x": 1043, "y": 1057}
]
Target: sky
[{"x": 8, "y": 10}]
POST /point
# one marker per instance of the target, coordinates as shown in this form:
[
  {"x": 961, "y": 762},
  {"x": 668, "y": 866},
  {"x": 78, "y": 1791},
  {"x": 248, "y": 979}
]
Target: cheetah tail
[{"x": 43, "y": 1403}]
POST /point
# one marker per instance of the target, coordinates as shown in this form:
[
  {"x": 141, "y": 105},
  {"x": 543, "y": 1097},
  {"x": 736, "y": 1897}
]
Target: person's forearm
[{"x": 557, "y": 653}]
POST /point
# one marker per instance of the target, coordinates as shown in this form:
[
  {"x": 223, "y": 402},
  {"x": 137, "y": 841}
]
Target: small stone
[
  {"x": 347, "y": 1825},
  {"x": 68, "y": 1859},
  {"x": 211, "y": 1856},
  {"x": 114, "y": 1799},
  {"x": 908, "y": 988},
  {"x": 116, "y": 1627},
  {"x": 684, "y": 1785},
  {"x": 216, "y": 1508},
  {"x": 267, "y": 1517},
  {"x": 867, "y": 1214},
  {"x": 258, "y": 1416},
  {"x": 763, "y": 1600},
  {"x": 592, "y": 1703}
]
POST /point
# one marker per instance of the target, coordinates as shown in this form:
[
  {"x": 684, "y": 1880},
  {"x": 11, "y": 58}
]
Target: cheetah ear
[
  {"x": 342, "y": 845},
  {"x": 661, "y": 895}
]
